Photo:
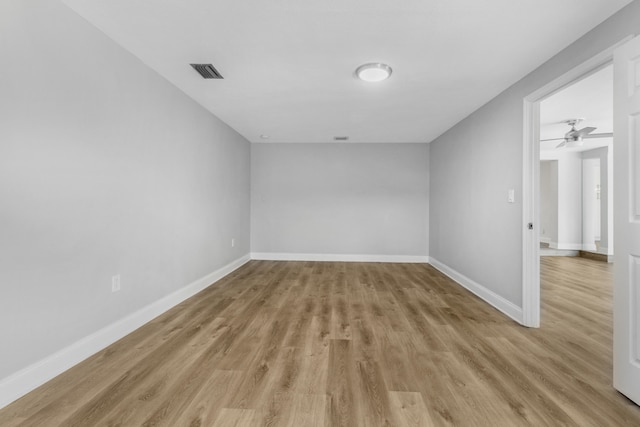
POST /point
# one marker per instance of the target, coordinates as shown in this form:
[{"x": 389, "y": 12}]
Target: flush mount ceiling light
[{"x": 373, "y": 72}]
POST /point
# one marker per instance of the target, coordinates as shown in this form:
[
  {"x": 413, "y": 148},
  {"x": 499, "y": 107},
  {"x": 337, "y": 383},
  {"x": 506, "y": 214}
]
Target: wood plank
[
  {"x": 409, "y": 409},
  {"x": 231, "y": 417},
  {"x": 342, "y": 406},
  {"x": 309, "y": 410}
]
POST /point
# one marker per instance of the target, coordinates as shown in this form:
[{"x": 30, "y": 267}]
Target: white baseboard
[
  {"x": 495, "y": 300},
  {"x": 589, "y": 247},
  {"x": 569, "y": 246},
  {"x": 33, "y": 376},
  {"x": 544, "y": 239},
  {"x": 277, "y": 256}
]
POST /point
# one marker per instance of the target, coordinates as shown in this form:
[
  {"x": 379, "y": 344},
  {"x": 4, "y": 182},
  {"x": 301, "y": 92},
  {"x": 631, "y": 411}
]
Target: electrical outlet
[
  {"x": 115, "y": 283},
  {"x": 233, "y": 243}
]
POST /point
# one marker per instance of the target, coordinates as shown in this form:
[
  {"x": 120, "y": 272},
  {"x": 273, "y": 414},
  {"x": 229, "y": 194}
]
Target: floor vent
[{"x": 207, "y": 71}]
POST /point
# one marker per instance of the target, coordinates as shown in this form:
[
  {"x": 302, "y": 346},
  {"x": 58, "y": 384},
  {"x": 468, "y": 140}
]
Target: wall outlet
[
  {"x": 233, "y": 243},
  {"x": 115, "y": 283}
]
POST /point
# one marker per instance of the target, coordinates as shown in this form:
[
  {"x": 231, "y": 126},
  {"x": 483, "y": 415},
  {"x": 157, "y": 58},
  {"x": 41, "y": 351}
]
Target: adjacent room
[
  {"x": 319, "y": 213},
  {"x": 576, "y": 173}
]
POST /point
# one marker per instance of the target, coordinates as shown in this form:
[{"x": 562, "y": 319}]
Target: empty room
[{"x": 295, "y": 213}]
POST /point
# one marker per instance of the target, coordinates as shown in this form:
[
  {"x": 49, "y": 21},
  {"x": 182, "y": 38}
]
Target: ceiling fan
[{"x": 576, "y": 137}]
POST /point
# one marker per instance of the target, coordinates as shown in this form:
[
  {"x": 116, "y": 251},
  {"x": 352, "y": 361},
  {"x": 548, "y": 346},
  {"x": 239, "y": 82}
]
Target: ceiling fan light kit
[{"x": 575, "y": 137}]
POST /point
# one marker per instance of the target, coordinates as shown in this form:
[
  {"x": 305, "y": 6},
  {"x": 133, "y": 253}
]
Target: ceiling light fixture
[
  {"x": 263, "y": 136},
  {"x": 373, "y": 72}
]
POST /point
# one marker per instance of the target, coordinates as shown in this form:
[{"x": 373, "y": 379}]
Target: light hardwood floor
[{"x": 351, "y": 344}]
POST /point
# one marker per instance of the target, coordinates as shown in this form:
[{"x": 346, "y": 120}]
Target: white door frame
[{"x": 531, "y": 179}]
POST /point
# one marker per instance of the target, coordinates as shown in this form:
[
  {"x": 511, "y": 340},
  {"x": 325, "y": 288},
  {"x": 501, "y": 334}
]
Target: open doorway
[
  {"x": 626, "y": 305},
  {"x": 576, "y": 174},
  {"x": 531, "y": 176}
]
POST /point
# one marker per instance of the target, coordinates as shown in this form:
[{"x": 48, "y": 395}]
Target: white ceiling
[
  {"x": 590, "y": 99},
  {"x": 288, "y": 65}
]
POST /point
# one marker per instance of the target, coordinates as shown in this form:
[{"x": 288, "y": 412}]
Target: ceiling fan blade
[
  {"x": 562, "y": 144},
  {"x": 553, "y": 139},
  {"x": 582, "y": 132},
  {"x": 599, "y": 135}
]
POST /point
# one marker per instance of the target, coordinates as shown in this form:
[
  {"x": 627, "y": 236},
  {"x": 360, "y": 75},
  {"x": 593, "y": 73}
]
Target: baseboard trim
[
  {"x": 595, "y": 256},
  {"x": 277, "y": 256},
  {"x": 569, "y": 246},
  {"x": 22, "y": 382},
  {"x": 493, "y": 299},
  {"x": 558, "y": 252}
]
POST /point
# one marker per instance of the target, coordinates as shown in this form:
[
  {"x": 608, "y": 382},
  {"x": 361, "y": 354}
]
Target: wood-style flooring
[{"x": 351, "y": 344}]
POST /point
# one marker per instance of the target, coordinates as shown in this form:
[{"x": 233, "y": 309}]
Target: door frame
[{"x": 531, "y": 178}]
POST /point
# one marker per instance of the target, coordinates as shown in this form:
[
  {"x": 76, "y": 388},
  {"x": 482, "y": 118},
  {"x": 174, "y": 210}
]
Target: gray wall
[
  {"x": 562, "y": 207},
  {"x": 105, "y": 168},
  {"x": 357, "y": 199},
  {"x": 549, "y": 202},
  {"x": 570, "y": 201},
  {"x": 606, "y": 203},
  {"x": 473, "y": 228}
]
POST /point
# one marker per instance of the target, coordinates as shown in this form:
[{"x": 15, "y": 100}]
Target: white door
[{"x": 626, "y": 291}]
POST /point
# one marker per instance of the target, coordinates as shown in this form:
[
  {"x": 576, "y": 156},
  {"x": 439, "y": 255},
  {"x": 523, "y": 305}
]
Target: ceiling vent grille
[
  {"x": 207, "y": 71},
  {"x": 340, "y": 138}
]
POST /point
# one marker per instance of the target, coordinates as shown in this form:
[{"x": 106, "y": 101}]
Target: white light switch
[{"x": 511, "y": 197}]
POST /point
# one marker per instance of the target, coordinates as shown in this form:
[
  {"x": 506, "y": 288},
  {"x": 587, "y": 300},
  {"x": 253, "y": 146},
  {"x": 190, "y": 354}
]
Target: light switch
[{"x": 511, "y": 197}]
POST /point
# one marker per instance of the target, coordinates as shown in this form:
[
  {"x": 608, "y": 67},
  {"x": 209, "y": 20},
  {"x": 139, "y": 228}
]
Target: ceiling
[
  {"x": 591, "y": 99},
  {"x": 288, "y": 65}
]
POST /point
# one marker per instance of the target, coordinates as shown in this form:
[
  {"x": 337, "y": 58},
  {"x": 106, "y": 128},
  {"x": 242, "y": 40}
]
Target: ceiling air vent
[
  {"x": 207, "y": 71},
  {"x": 340, "y": 138}
]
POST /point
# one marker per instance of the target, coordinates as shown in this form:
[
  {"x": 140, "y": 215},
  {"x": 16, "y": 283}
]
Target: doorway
[
  {"x": 531, "y": 177},
  {"x": 626, "y": 304},
  {"x": 576, "y": 177}
]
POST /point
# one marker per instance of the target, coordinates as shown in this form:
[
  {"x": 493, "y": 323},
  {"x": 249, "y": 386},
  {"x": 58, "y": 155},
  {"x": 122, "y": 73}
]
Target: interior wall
[
  {"x": 570, "y": 215},
  {"x": 570, "y": 201},
  {"x": 340, "y": 199},
  {"x": 475, "y": 163},
  {"x": 590, "y": 204},
  {"x": 105, "y": 169},
  {"x": 549, "y": 202},
  {"x": 606, "y": 203}
]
